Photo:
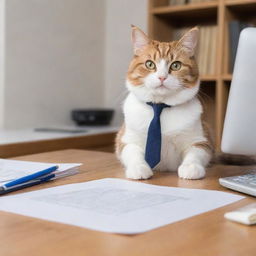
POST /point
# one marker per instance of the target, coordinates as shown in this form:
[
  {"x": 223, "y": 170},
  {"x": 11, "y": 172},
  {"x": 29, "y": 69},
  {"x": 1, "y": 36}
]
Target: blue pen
[
  {"x": 28, "y": 184},
  {"x": 29, "y": 177}
]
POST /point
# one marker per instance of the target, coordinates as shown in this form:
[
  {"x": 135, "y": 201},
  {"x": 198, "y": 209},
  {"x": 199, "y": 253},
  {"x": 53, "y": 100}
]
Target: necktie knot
[{"x": 158, "y": 107}]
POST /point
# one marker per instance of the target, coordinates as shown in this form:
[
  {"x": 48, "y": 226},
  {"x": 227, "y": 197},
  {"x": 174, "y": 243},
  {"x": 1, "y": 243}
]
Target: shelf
[
  {"x": 165, "y": 20},
  {"x": 245, "y": 7},
  {"x": 227, "y": 77},
  {"x": 208, "y": 78},
  {"x": 239, "y": 2},
  {"x": 201, "y": 10}
]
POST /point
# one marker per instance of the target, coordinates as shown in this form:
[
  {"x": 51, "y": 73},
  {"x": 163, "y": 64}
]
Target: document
[
  {"x": 116, "y": 205},
  {"x": 14, "y": 169}
]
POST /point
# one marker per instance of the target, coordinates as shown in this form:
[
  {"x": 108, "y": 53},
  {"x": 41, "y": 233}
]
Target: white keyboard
[{"x": 243, "y": 183}]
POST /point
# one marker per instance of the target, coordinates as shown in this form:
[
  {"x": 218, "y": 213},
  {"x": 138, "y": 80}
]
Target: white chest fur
[
  {"x": 138, "y": 116},
  {"x": 177, "y": 121}
]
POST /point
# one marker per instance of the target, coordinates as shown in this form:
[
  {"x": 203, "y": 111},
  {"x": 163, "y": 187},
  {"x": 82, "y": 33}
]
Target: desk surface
[
  {"x": 31, "y": 135},
  {"x": 205, "y": 234},
  {"x": 28, "y": 141}
]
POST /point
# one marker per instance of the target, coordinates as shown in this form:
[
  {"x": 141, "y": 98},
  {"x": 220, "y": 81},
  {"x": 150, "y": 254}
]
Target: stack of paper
[{"x": 16, "y": 175}]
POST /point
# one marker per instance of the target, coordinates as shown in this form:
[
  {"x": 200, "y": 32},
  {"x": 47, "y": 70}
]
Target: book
[
  {"x": 179, "y": 32},
  {"x": 206, "y": 50},
  {"x": 194, "y": 1},
  {"x": 234, "y": 32},
  {"x": 213, "y": 50},
  {"x": 199, "y": 1},
  {"x": 177, "y": 2},
  {"x": 209, "y": 51},
  {"x": 201, "y": 50}
]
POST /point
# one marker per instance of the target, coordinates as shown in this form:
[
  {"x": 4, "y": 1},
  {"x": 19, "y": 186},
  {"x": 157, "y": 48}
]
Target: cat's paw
[
  {"x": 191, "y": 171},
  {"x": 138, "y": 172}
]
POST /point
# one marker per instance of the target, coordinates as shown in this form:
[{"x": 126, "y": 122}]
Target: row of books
[
  {"x": 207, "y": 47},
  {"x": 235, "y": 27},
  {"x": 181, "y": 2}
]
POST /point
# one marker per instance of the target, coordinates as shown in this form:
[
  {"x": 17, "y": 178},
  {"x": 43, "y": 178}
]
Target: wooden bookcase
[{"x": 163, "y": 19}]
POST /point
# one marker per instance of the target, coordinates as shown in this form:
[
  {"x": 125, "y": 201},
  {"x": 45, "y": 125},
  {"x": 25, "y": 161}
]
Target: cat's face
[{"x": 163, "y": 69}]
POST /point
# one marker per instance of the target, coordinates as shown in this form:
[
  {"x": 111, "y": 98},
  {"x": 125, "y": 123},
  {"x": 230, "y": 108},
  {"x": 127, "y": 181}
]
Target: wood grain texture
[
  {"x": 185, "y": 8},
  {"x": 239, "y": 2},
  {"x": 205, "y": 234},
  {"x": 100, "y": 142},
  {"x": 220, "y": 111}
]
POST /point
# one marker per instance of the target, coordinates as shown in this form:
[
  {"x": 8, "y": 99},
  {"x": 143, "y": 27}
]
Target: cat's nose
[{"x": 162, "y": 78}]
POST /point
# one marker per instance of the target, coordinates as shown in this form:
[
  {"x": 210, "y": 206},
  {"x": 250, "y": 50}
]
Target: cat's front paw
[
  {"x": 138, "y": 172},
  {"x": 191, "y": 171}
]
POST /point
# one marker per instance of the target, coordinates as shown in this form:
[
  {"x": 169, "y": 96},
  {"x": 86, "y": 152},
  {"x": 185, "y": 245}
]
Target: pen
[
  {"x": 27, "y": 184},
  {"x": 29, "y": 177}
]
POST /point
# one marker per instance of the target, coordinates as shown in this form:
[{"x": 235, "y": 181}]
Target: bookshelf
[{"x": 164, "y": 19}]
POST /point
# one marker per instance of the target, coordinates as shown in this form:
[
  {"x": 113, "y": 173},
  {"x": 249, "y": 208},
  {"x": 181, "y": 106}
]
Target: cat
[{"x": 164, "y": 72}]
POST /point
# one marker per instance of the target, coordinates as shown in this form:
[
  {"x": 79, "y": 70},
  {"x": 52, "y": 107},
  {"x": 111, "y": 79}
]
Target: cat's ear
[
  {"x": 139, "y": 39},
  {"x": 189, "y": 40}
]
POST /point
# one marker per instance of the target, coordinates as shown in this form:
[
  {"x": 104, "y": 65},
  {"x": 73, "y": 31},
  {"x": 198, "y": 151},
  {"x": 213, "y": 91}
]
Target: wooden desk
[
  {"x": 100, "y": 142},
  {"x": 205, "y": 234}
]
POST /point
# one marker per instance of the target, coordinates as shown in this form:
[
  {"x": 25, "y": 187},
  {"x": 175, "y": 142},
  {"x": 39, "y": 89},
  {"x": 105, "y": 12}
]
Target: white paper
[
  {"x": 115, "y": 205},
  {"x": 14, "y": 169}
]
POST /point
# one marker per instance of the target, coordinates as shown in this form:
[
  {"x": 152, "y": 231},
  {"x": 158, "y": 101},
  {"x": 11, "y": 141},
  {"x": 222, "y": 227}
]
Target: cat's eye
[
  {"x": 176, "y": 65},
  {"x": 150, "y": 64}
]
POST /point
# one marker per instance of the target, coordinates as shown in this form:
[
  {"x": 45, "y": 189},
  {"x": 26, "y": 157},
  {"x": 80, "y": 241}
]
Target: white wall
[
  {"x": 54, "y": 60},
  {"x": 120, "y": 14},
  {"x": 64, "y": 54},
  {"x": 2, "y": 28}
]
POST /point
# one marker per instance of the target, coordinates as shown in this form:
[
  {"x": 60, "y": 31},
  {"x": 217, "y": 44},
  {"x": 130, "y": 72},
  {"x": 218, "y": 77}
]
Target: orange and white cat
[{"x": 164, "y": 72}]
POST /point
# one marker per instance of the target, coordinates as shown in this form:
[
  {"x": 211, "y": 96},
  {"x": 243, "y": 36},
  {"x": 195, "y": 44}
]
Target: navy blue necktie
[{"x": 153, "y": 146}]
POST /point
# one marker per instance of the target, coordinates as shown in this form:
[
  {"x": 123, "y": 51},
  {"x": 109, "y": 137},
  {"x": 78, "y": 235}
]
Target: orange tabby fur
[
  {"x": 170, "y": 51},
  {"x": 161, "y": 50}
]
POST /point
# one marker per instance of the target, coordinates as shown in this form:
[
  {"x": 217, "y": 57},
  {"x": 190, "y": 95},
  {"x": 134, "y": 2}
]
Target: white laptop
[{"x": 239, "y": 133}]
